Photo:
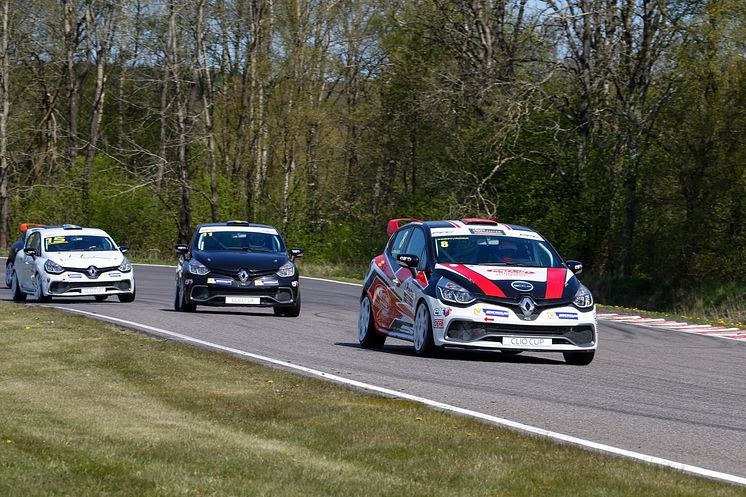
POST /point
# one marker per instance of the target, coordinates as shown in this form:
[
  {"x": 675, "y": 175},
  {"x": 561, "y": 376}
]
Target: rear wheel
[
  {"x": 39, "y": 294},
  {"x": 424, "y": 344},
  {"x": 582, "y": 358},
  {"x": 366, "y": 328},
  {"x": 15, "y": 289}
]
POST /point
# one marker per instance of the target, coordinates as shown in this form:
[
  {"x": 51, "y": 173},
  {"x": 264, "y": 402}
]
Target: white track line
[{"x": 695, "y": 470}]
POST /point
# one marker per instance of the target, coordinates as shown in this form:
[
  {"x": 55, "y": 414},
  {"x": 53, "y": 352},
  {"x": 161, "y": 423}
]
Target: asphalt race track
[{"x": 666, "y": 394}]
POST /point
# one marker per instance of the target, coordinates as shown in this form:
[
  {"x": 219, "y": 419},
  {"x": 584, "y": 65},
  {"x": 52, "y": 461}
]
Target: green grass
[{"x": 91, "y": 409}]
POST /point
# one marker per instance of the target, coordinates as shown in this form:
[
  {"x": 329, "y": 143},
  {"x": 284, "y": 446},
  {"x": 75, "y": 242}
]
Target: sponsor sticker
[
  {"x": 522, "y": 286},
  {"x": 115, "y": 275},
  {"x": 442, "y": 311},
  {"x": 219, "y": 281},
  {"x": 567, "y": 315},
  {"x": 438, "y": 323},
  {"x": 497, "y": 313},
  {"x": 75, "y": 275},
  {"x": 266, "y": 282},
  {"x": 486, "y": 231}
]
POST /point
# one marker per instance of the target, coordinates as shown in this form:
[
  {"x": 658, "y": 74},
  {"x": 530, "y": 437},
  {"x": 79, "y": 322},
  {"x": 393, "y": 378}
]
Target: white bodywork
[{"x": 86, "y": 273}]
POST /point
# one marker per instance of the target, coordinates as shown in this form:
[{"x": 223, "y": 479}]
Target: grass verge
[{"x": 91, "y": 409}]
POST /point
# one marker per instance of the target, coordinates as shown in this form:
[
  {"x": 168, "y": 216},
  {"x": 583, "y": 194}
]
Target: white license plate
[
  {"x": 243, "y": 300},
  {"x": 92, "y": 290},
  {"x": 527, "y": 342}
]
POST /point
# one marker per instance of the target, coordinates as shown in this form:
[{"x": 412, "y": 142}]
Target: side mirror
[
  {"x": 408, "y": 261},
  {"x": 575, "y": 266},
  {"x": 295, "y": 253},
  {"x": 123, "y": 249},
  {"x": 30, "y": 251},
  {"x": 181, "y": 248}
]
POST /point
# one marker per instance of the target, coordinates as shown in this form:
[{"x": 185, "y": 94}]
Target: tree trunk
[{"x": 5, "y": 103}]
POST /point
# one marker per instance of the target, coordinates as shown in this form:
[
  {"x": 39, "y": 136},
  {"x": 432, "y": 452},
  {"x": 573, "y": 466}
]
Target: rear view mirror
[
  {"x": 575, "y": 266},
  {"x": 181, "y": 248},
  {"x": 30, "y": 251},
  {"x": 124, "y": 249},
  {"x": 295, "y": 253}
]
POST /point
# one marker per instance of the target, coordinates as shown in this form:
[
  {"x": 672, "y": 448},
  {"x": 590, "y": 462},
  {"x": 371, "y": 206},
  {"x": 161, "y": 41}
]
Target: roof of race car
[
  {"x": 237, "y": 226},
  {"x": 459, "y": 228},
  {"x": 73, "y": 230}
]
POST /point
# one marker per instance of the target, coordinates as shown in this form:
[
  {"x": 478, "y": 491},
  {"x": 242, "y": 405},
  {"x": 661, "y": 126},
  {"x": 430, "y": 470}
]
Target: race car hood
[
  {"x": 513, "y": 281},
  {"x": 83, "y": 260},
  {"x": 232, "y": 261}
]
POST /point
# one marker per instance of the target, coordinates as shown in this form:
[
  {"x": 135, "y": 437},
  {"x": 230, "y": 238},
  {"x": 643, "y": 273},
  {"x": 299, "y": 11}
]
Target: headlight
[
  {"x": 125, "y": 266},
  {"x": 453, "y": 292},
  {"x": 286, "y": 270},
  {"x": 196, "y": 267},
  {"x": 53, "y": 267},
  {"x": 583, "y": 298}
]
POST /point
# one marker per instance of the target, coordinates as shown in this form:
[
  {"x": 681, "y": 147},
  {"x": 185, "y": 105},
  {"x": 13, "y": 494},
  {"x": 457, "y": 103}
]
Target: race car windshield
[
  {"x": 493, "y": 250},
  {"x": 79, "y": 243},
  {"x": 247, "y": 241}
]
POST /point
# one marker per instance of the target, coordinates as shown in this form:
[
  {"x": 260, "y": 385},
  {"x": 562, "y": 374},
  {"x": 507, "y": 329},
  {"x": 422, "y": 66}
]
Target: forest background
[{"x": 617, "y": 128}]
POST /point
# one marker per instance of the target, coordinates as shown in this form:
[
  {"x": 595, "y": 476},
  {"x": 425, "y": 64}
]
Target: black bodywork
[{"x": 236, "y": 274}]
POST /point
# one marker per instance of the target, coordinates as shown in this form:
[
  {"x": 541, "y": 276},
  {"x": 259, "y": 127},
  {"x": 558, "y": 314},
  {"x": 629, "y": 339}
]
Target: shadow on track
[{"x": 464, "y": 355}]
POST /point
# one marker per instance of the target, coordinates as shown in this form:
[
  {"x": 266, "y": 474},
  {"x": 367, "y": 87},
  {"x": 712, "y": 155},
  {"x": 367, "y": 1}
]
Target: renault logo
[
  {"x": 527, "y": 305},
  {"x": 92, "y": 271},
  {"x": 243, "y": 275}
]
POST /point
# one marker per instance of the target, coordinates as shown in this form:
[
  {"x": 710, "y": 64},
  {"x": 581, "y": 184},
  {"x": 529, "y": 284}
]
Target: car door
[
  {"x": 26, "y": 269},
  {"x": 411, "y": 281}
]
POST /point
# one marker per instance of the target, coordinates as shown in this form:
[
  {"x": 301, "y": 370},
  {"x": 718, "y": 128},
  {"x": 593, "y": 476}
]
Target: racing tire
[
  {"x": 177, "y": 299},
  {"x": 289, "y": 312},
  {"x": 424, "y": 345},
  {"x": 582, "y": 358},
  {"x": 183, "y": 305},
  {"x": 39, "y": 295},
  {"x": 9, "y": 274},
  {"x": 15, "y": 288},
  {"x": 126, "y": 298},
  {"x": 101, "y": 298},
  {"x": 366, "y": 327}
]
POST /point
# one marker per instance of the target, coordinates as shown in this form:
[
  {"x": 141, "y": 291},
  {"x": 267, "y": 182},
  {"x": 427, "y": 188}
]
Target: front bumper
[
  {"x": 262, "y": 291},
  {"x": 489, "y": 326},
  {"x": 79, "y": 284}
]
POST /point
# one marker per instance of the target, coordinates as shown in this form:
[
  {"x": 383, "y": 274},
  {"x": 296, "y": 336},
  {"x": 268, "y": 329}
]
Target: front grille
[
  {"x": 234, "y": 274},
  {"x": 64, "y": 287},
  {"x": 581, "y": 335},
  {"x": 207, "y": 294}
]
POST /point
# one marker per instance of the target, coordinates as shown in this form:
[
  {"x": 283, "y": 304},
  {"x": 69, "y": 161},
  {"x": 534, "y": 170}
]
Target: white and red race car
[{"x": 476, "y": 283}]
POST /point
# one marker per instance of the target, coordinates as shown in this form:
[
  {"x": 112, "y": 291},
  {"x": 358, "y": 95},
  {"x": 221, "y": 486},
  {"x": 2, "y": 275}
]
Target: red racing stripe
[
  {"x": 484, "y": 284},
  {"x": 555, "y": 283}
]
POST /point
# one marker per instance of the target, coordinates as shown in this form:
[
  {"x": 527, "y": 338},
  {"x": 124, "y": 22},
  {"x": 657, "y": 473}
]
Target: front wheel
[
  {"x": 9, "y": 275},
  {"x": 181, "y": 304},
  {"x": 366, "y": 328},
  {"x": 424, "y": 344},
  {"x": 126, "y": 297},
  {"x": 289, "y": 312},
  {"x": 582, "y": 358},
  {"x": 39, "y": 294},
  {"x": 15, "y": 289}
]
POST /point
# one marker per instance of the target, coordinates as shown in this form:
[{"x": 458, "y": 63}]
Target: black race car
[{"x": 237, "y": 264}]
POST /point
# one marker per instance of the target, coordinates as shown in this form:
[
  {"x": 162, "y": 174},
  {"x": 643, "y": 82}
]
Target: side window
[
  {"x": 33, "y": 241},
  {"x": 399, "y": 242},
  {"x": 417, "y": 245}
]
